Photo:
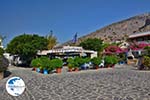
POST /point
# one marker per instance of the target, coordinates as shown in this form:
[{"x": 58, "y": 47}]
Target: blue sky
[{"x": 64, "y": 17}]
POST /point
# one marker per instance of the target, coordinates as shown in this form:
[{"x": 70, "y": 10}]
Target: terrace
[
  {"x": 67, "y": 51},
  {"x": 140, "y": 38}
]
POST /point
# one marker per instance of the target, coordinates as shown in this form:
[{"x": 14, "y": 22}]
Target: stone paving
[{"x": 121, "y": 83}]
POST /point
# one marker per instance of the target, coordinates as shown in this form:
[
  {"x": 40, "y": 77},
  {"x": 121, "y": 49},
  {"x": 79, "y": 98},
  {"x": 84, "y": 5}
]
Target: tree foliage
[
  {"x": 52, "y": 41},
  {"x": 92, "y": 44},
  {"x": 96, "y": 60},
  {"x": 56, "y": 63},
  {"x": 1, "y": 51},
  {"x": 147, "y": 49},
  {"x": 26, "y": 46}
]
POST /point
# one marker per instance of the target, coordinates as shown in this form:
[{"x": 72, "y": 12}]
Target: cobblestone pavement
[{"x": 122, "y": 83}]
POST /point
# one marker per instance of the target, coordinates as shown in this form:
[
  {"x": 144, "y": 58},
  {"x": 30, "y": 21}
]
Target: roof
[
  {"x": 44, "y": 52},
  {"x": 68, "y": 49},
  {"x": 140, "y": 34}
]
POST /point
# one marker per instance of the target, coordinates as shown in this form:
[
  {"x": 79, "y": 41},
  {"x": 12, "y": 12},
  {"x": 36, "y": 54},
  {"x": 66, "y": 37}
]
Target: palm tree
[{"x": 52, "y": 40}]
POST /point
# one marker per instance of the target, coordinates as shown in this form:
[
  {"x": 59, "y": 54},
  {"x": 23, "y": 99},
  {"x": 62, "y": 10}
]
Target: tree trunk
[{"x": 1, "y": 75}]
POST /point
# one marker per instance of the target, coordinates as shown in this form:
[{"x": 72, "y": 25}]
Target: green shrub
[
  {"x": 56, "y": 63},
  {"x": 79, "y": 61},
  {"x": 1, "y": 51},
  {"x": 147, "y": 49},
  {"x": 49, "y": 65},
  {"x": 96, "y": 61},
  {"x": 35, "y": 62},
  {"x": 110, "y": 60},
  {"x": 44, "y": 62},
  {"x": 121, "y": 57},
  {"x": 146, "y": 62},
  {"x": 76, "y": 62},
  {"x": 86, "y": 60},
  {"x": 70, "y": 62}
]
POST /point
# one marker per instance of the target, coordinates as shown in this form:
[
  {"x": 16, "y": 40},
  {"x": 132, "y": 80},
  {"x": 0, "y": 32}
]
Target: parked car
[
  {"x": 88, "y": 65},
  {"x": 18, "y": 61},
  {"x": 65, "y": 63},
  {"x": 101, "y": 65}
]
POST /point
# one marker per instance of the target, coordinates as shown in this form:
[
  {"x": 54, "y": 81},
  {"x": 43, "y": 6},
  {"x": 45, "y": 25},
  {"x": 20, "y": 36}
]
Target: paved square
[{"x": 124, "y": 83}]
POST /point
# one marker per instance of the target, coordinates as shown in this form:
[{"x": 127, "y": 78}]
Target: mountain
[{"x": 119, "y": 30}]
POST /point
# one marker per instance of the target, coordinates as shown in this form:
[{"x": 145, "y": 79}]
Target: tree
[
  {"x": 1, "y": 51},
  {"x": 92, "y": 44},
  {"x": 52, "y": 41},
  {"x": 147, "y": 49},
  {"x": 3, "y": 62},
  {"x": 26, "y": 46}
]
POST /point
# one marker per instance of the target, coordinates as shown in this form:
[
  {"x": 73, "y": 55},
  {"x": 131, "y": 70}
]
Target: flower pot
[
  {"x": 41, "y": 70},
  {"x": 109, "y": 66},
  {"x": 38, "y": 70},
  {"x": 76, "y": 69},
  {"x": 1, "y": 75},
  {"x": 121, "y": 62},
  {"x": 34, "y": 69},
  {"x": 113, "y": 65},
  {"x": 58, "y": 70},
  {"x": 70, "y": 69},
  {"x": 97, "y": 67},
  {"x": 45, "y": 71}
]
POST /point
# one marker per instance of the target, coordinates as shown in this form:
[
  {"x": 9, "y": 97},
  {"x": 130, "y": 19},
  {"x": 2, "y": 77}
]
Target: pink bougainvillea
[
  {"x": 133, "y": 46},
  {"x": 138, "y": 46},
  {"x": 114, "y": 49}
]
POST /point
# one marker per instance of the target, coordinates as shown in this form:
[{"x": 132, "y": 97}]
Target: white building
[
  {"x": 68, "y": 51},
  {"x": 140, "y": 37}
]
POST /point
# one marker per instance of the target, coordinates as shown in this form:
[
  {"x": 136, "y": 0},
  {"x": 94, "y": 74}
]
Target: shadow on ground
[{"x": 7, "y": 74}]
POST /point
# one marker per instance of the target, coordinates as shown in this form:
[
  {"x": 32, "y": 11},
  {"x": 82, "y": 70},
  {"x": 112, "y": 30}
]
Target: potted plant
[
  {"x": 147, "y": 49},
  {"x": 39, "y": 69},
  {"x": 35, "y": 64},
  {"x": 87, "y": 60},
  {"x": 83, "y": 63},
  {"x": 44, "y": 64},
  {"x": 110, "y": 61},
  {"x": 77, "y": 62},
  {"x": 96, "y": 61},
  {"x": 51, "y": 67},
  {"x": 40, "y": 64},
  {"x": 114, "y": 61},
  {"x": 146, "y": 62},
  {"x": 57, "y": 63},
  {"x": 70, "y": 62}
]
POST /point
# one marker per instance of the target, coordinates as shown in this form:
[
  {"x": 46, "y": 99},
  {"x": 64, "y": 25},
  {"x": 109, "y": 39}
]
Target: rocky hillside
[{"x": 120, "y": 30}]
